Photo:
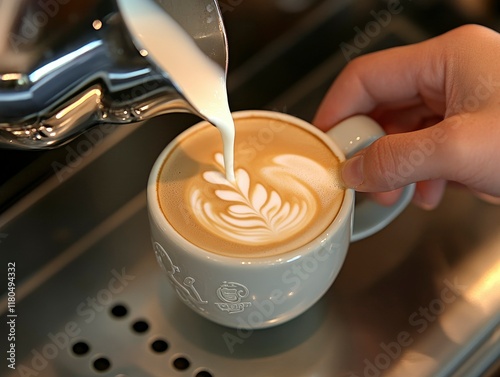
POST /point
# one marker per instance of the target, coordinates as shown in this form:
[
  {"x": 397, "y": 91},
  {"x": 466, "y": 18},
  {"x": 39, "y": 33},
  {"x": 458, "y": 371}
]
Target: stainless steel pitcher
[{"x": 68, "y": 65}]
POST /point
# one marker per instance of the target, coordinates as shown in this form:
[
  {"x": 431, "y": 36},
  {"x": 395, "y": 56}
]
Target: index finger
[{"x": 398, "y": 74}]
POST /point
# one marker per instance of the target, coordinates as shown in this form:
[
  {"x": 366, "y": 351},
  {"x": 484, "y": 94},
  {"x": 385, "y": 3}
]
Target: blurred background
[
  {"x": 283, "y": 55},
  {"x": 73, "y": 217}
]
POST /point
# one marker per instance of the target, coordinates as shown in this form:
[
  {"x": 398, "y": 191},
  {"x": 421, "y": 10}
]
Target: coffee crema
[{"x": 286, "y": 193}]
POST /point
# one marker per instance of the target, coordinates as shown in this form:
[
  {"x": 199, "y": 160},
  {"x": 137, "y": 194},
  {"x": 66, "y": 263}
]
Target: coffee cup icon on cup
[{"x": 260, "y": 251}]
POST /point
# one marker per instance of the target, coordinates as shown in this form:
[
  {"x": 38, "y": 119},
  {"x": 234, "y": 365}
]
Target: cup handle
[{"x": 352, "y": 135}]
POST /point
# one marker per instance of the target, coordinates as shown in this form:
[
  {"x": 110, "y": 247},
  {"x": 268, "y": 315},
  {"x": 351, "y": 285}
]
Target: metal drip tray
[
  {"x": 421, "y": 298},
  {"x": 418, "y": 305}
]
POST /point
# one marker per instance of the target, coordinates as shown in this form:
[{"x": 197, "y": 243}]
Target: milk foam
[{"x": 285, "y": 193}]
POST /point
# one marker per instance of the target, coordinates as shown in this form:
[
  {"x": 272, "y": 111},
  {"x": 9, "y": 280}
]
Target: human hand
[{"x": 439, "y": 102}]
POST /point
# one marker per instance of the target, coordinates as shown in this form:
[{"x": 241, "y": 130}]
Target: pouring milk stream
[{"x": 202, "y": 81}]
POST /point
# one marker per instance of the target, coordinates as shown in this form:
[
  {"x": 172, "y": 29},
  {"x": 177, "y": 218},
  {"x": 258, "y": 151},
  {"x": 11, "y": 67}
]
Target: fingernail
[
  {"x": 352, "y": 172},
  {"x": 423, "y": 202}
]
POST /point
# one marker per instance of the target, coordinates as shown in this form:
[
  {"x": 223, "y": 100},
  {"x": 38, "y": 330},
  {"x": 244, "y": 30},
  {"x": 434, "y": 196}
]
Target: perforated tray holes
[
  {"x": 140, "y": 326},
  {"x": 158, "y": 345},
  {"x": 80, "y": 348},
  {"x": 203, "y": 373},
  {"x": 181, "y": 363},
  {"x": 119, "y": 311},
  {"x": 101, "y": 364}
]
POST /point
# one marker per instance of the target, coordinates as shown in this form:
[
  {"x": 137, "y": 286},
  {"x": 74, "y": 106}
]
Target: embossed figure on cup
[{"x": 186, "y": 290}]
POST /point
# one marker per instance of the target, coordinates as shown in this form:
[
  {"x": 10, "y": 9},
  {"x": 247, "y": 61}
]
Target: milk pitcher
[{"x": 68, "y": 65}]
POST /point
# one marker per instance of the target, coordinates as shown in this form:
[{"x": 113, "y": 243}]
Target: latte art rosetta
[{"x": 257, "y": 213}]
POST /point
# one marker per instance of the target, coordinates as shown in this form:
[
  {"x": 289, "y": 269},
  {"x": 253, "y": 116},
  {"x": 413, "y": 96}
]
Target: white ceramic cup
[{"x": 262, "y": 292}]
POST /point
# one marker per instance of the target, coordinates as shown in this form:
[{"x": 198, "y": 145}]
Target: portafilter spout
[{"x": 68, "y": 66}]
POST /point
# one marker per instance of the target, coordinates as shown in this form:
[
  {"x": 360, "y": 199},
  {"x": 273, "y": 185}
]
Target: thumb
[{"x": 397, "y": 160}]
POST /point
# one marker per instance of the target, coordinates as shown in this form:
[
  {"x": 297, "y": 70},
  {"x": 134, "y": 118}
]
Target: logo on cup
[{"x": 232, "y": 294}]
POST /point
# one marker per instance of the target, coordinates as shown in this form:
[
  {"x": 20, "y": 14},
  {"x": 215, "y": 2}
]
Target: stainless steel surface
[
  {"x": 58, "y": 80},
  {"x": 421, "y": 298}
]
